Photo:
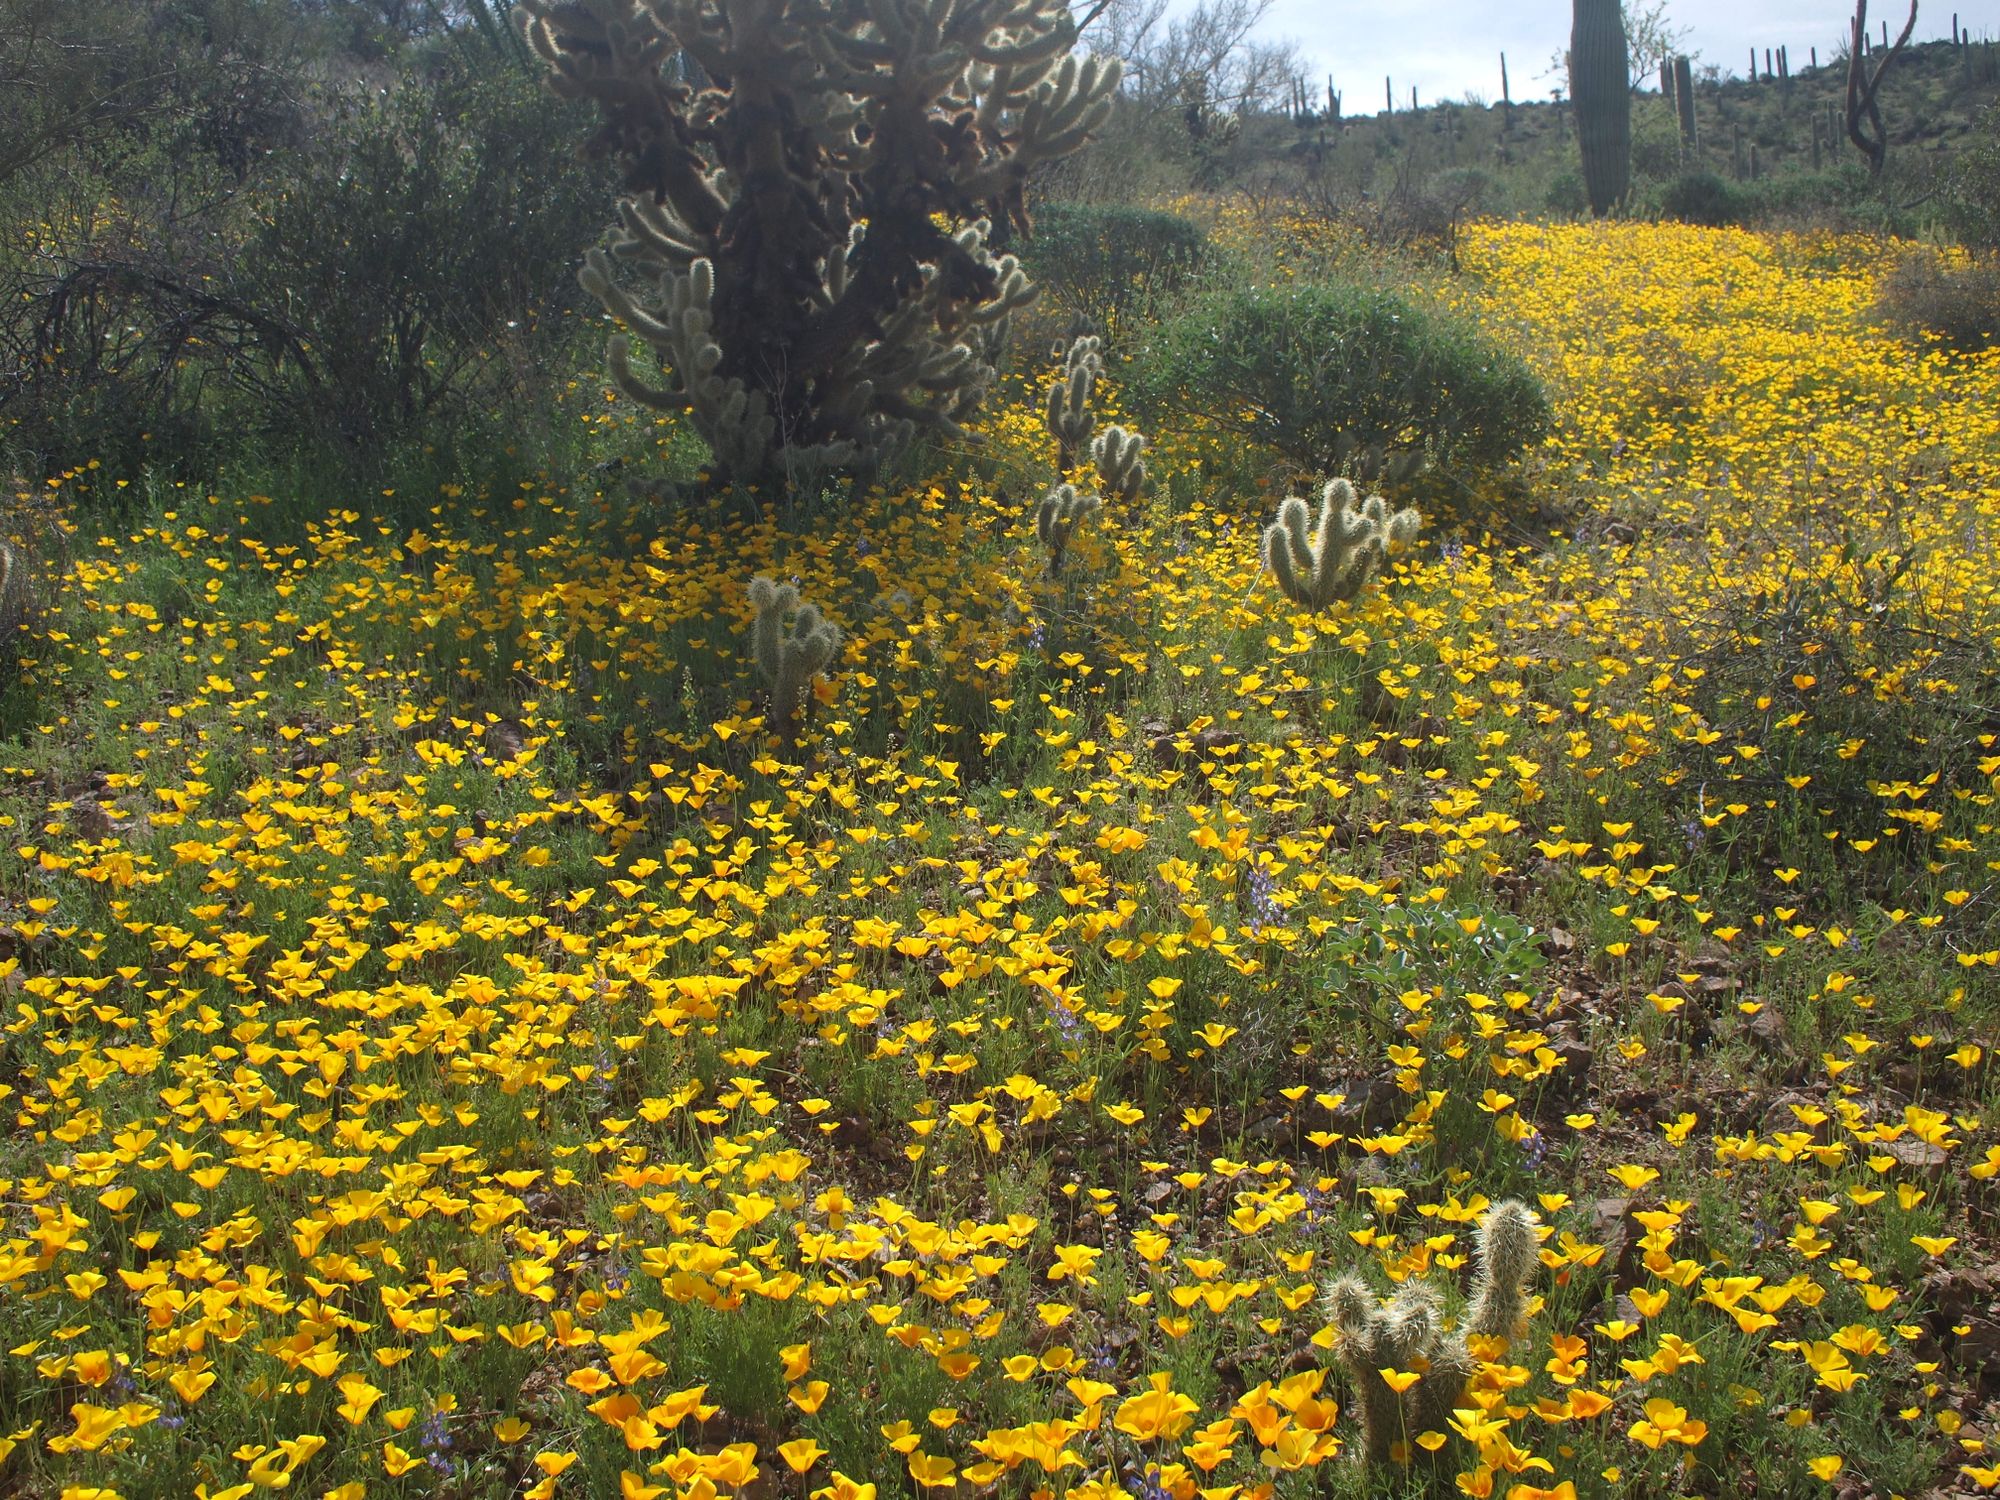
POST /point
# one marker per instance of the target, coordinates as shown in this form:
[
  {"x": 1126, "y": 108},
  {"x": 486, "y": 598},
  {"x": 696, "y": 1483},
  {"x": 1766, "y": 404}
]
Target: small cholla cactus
[
  {"x": 1068, "y": 412},
  {"x": 1062, "y": 510},
  {"x": 1121, "y": 465},
  {"x": 788, "y": 653},
  {"x": 1328, "y": 558},
  {"x": 17, "y": 607},
  {"x": 1408, "y": 1338}
]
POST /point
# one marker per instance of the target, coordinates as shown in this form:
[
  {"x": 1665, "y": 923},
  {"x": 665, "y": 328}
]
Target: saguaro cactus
[
  {"x": 804, "y": 240},
  {"x": 1601, "y": 90},
  {"x": 1327, "y": 558},
  {"x": 1684, "y": 106},
  {"x": 1864, "y": 105},
  {"x": 1379, "y": 1346},
  {"x": 790, "y": 644}
]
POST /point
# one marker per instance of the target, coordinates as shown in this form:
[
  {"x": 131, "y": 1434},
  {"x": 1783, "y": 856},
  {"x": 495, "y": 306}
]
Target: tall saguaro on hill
[
  {"x": 1600, "y": 89},
  {"x": 804, "y": 238}
]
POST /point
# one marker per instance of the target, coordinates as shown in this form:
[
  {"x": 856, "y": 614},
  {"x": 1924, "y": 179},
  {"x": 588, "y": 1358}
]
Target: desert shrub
[
  {"x": 1320, "y": 371},
  {"x": 423, "y": 258},
  {"x": 1109, "y": 264},
  {"x": 1702, "y": 198},
  {"x": 1972, "y": 190},
  {"x": 1566, "y": 195},
  {"x": 1656, "y": 140},
  {"x": 395, "y": 267},
  {"x": 1931, "y": 295},
  {"x": 1842, "y": 198},
  {"x": 1424, "y": 216}
]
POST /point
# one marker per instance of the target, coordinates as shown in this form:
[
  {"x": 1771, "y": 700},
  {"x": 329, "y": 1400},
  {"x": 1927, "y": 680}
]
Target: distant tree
[{"x": 1208, "y": 54}]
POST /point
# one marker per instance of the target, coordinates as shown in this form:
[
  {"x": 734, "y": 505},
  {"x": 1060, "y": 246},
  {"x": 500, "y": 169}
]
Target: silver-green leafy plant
[
  {"x": 1407, "y": 1336},
  {"x": 790, "y": 644},
  {"x": 1328, "y": 557},
  {"x": 809, "y": 189},
  {"x": 1062, "y": 510},
  {"x": 1067, "y": 412}
]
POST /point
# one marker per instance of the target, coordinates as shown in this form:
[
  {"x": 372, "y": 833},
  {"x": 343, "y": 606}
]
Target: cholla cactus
[
  {"x": 1508, "y": 1246},
  {"x": 1405, "y": 1338},
  {"x": 790, "y": 644},
  {"x": 1408, "y": 1337},
  {"x": 1067, "y": 412},
  {"x": 1326, "y": 559},
  {"x": 17, "y": 607},
  {"x": 1062, "y": 510},
  {"x": 1121, "y": 465},
  {"x": 786, "y": 232}
]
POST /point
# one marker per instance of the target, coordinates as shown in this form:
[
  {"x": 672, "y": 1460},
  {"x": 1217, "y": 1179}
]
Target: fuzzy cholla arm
[
  {"x": 1327, "y": 558},
  {"x": 1062, "y": 510},
  {"x": 790, "y": 644},
  {"x": 837, "y": 176},
  {"x": 1067, "y": 413}
]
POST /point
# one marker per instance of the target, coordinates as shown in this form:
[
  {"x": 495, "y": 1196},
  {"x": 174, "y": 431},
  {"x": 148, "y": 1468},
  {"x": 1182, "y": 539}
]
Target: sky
[{"x": 1449, "y": 48}]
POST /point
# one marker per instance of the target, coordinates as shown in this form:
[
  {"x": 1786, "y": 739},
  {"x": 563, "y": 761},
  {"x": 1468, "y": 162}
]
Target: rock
[
  {"x": 1951, "y": 1294},
  {"x": 1911, "y": 1152},
  {"x": 505, "y": 741},
  {"x": 1371, "y": 1103},
  {"x": 1767, "y": 1028},
  {"x": 1577, "y": 1061},
  {"x": 1976, "y": 1352}
]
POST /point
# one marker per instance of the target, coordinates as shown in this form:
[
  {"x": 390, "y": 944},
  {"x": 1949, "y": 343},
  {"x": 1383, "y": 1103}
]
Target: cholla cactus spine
[
  {"x": 1327, "y": 558},
  {"x": 790, "y": 644},
  {"x": 1062, "y": 510},
  {"x": 1068, "y": 414},
  {"x": 1121, "y": 465},
  {"x": 1408, "y": 1337}
]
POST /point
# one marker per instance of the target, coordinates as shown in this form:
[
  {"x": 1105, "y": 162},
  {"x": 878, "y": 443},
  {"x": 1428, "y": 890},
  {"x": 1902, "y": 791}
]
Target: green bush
[
  {"x": 1320, "y": 371},
  {"x": 1566, "y": 195},
  {"x": 1109, "y": 265},
  {"x": 1972, "y": 190},
  {"x": 424, "y": 256},
  {"x": 1702, "y": 198}
]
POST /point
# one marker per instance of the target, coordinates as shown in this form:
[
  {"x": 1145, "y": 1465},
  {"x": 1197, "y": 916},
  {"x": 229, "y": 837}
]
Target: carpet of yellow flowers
[{"x": 452, "y": 1050}]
